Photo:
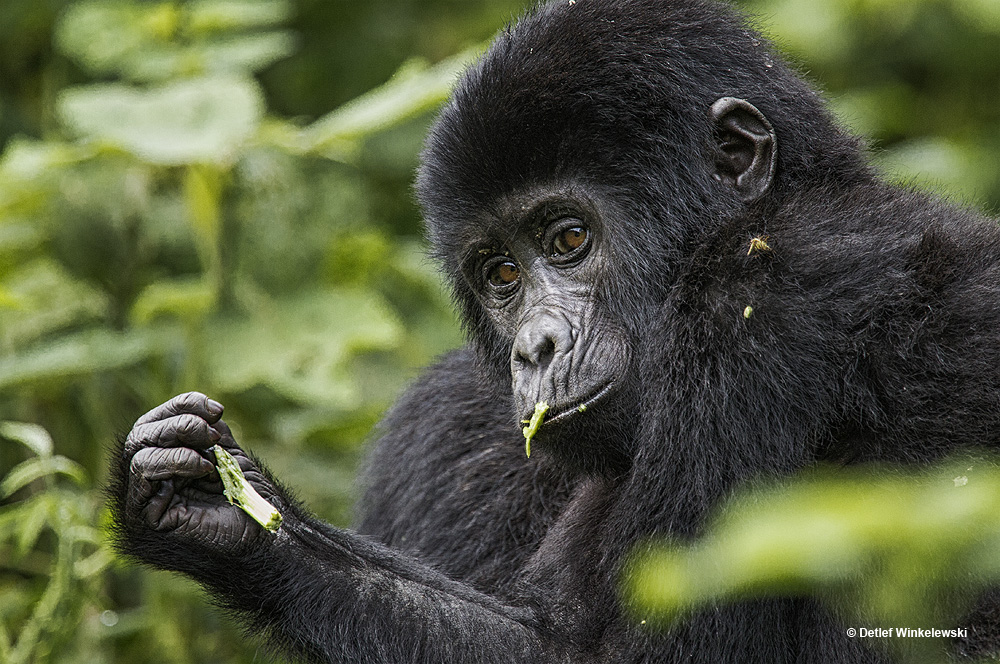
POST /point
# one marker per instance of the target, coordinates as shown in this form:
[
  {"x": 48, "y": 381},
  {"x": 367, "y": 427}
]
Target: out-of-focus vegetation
[
  {"x": 888, "y": 549},
  {"x": 917, "y": 77},
  {"x": 215, "y": 195},
  {"x": 208, "y": 195}
]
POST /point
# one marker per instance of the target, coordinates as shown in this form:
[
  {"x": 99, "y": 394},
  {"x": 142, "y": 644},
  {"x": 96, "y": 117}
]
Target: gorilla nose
[{"x": 538, "y": 342}]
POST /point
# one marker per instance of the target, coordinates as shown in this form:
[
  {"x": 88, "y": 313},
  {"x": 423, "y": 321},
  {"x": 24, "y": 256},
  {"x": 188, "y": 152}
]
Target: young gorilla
[{"x": 652, "y": 224}]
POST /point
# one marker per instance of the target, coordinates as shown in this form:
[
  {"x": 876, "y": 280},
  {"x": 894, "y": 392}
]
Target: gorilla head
[{"x": 573, "y": 170}]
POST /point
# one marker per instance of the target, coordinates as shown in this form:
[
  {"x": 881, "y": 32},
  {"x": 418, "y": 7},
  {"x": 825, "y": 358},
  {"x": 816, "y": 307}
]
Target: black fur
[{"x": 874, "y": 336}]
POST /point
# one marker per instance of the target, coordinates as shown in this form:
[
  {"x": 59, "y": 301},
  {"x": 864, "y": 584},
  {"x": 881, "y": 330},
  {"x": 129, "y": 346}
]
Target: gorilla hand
[{"x": 172, "y": 486}]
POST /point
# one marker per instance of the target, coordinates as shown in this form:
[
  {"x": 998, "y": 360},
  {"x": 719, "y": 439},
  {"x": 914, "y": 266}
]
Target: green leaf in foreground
[
  {"x": 534, "y": 423},
  {"x": 893, "y": 547},
  {"x": 240, "y": 492}
]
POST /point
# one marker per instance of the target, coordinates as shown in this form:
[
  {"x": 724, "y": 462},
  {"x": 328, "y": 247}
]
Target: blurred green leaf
[
  {"x": 299, "y": 347},
  {"x": 82, "y": 353},
  {"x": 88, "y": 566},
  {"x": 106, "y": 35},
  {"x": 184, "y": 298},
  {"x": 982, "y": 13},
  {"x": 414, "y": 89},
  {"x": 46, "y": 299},
  {"x": 32, "y": 436},
  {"x": 19, "y": 238},
  {"x": 151, "y": 41},
  {"x": 940, "y": 164},
  {"x": 202, "y": 194},
  {"x": 798, "y": 26},
  {"x": 880, "y": 538},
  {"x": 38, "y": 467},
  {"x": 28, "y": 160},
  {"x": 197, "y": 120},
  {"x": 219, "y": 56},
  {"x": 225, "y": 15},
  {"x": 251, "y": 52},
  {"x": 356, "y": 257},
  {"x": 32, "y": 516}
]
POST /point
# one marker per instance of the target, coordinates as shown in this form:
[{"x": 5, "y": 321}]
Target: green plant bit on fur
[
  {"x": 529, "y": 431},
  {"x": 758, "y": 244},
  {"x": 241, "y": 493}
]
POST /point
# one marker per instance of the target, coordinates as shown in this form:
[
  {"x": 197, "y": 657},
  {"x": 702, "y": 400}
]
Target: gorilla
[{"x": 652, "y": 224}]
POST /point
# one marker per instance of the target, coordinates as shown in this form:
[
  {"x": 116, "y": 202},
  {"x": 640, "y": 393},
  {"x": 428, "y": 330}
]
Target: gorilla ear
[{"x": 747, "y": 148}]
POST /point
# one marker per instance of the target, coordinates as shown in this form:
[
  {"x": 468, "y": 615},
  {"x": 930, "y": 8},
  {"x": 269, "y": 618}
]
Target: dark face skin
[{"x": 538, "y": 287}]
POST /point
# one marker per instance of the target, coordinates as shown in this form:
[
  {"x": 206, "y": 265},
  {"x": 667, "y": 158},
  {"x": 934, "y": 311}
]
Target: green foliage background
[{"x": 215, "y": 195}]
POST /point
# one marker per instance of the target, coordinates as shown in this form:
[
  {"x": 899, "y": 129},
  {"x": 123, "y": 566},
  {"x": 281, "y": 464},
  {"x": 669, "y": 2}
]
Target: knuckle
[
  {"x": 142, "y": 460},
  {"x": 189, "y": 426},
  {"x": 137, "y": 438},
  {"x": 173, "y": 459},
  {"x": 189, "y": 400},
  {"x": 179, "y": 456}
]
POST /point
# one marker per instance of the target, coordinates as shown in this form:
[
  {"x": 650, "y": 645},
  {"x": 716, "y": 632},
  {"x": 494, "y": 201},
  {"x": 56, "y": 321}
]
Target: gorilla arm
[{"x": 318, "y": 591}]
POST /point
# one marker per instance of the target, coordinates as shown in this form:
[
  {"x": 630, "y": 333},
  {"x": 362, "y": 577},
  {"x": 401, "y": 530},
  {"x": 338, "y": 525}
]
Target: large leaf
[
  {"x": 155, "y": 41},
  {"x": 300, "y": 347},
  {"x": 197, "y": 120},
  {"x": 232, "y": 54},
  {"x": 414, "y": 89},
  {"x": 27, "y": 170},
  {"x": 880, "y": 539},
  {"x": 25, "y": 159},
  {"x": 19, "y": 237},
  {"x": 82, "y": 353},
  {"x": 106, "y": 35}
]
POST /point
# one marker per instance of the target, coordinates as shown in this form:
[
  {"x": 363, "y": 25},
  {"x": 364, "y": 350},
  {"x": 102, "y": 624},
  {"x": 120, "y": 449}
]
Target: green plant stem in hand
[{"x": 241, "y": 493}]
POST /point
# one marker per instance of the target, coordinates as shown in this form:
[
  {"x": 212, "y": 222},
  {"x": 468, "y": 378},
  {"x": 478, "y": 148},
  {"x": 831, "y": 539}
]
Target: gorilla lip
[{"x": 563, "y": 413}]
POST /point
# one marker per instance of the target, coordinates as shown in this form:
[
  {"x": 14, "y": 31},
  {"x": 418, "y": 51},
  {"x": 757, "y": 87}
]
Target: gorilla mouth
[{"x": 564, "y": 412}]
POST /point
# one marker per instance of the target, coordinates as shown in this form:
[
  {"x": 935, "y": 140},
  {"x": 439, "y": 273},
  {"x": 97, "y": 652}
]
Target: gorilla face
[
  {"x": 537, "y": 266},
  {"x": 536, "y": 275}
]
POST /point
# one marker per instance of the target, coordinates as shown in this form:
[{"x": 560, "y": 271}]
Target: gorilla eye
[
  {"x": 502, "y": 273},
  {"x": 569, "y": 240}
]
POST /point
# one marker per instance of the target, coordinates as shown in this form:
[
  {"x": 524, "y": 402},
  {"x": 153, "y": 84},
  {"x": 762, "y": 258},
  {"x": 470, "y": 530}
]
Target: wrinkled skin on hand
[{"x": 172, "y": 484}]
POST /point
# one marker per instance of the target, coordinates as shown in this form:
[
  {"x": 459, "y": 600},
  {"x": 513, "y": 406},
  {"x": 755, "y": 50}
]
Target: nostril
[
  {"x": 546, "y": 351},
  {"x": 537, "y": 351},
  {"x": 540, "y": 340}
]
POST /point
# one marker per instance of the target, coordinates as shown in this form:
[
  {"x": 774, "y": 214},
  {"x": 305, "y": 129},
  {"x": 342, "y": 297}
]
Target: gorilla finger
[
  {"x": 226, "y": 438},
  {"x": 194, "y": 403},
  {"x": 229, "y": 443},
  {"x": 155, "y": 464},
  {"x": 179, "y": 430},
  {"x": 157, "y": 504},
  {"x": 224, "y": 430}
]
